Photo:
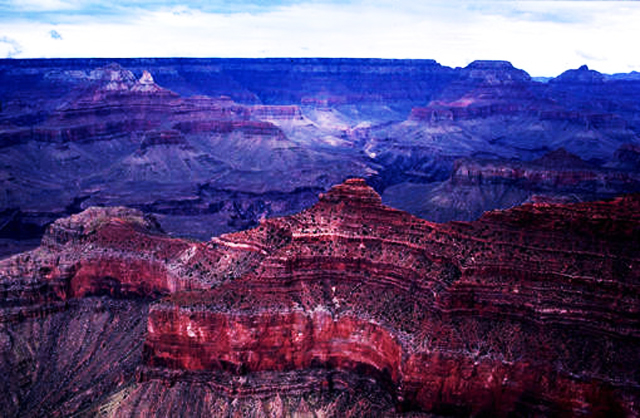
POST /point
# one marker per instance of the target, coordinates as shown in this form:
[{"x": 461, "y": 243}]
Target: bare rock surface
[{"x": 348, "y": 308}]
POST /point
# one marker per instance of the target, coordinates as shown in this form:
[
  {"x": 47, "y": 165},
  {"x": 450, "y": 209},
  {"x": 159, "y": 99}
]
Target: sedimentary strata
[{"x": 347, "y": 308}]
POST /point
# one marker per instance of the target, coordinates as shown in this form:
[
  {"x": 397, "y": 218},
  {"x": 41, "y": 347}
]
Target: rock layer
[
  {"x": 211, "y": 146},
  {"x": 457, "y": 317},
  {"x": 478, "y": 185},
  {"x": 530, "y": 311}
]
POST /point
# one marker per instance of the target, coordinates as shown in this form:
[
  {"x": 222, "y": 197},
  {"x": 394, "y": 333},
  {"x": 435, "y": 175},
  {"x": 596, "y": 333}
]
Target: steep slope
[
  {"x": 447, "y": 318},
  {"x": 596, "y": 98},
  {"x": 495, "y": 111},
  {"x": 204, "y": 165},
  {"x": 480, "y": 185},
  {"x": 345, "y": 309},
  {"x": 272, "y": 133}
]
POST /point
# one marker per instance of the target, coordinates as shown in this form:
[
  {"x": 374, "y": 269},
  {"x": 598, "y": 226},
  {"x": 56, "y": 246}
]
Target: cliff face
[
  {"x": 486, "y": 88},
  {"x": 479, "y": 185},
  {"x": 203, "y": 165},
  {"x": 347, "y": 308},
  {"x": 455, "y": 317},
  {"x": 574, "y": 177},
  {"x": 211, "y": 146}
]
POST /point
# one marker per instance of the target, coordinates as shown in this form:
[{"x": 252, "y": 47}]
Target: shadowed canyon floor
[{"x": 348, "y": 308}]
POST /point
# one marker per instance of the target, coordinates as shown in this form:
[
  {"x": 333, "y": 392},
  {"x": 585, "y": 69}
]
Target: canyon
[
  {"x": 348, "y": 308},
  {"x": 317, "y": 237},
  {"x": 210, "y": 146}
]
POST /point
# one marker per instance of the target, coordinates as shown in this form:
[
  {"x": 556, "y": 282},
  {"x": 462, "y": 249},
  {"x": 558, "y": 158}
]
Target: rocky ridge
[
  {"x": 346, "y": 308},
  {"x": 478, "y": 185},
  {"x": 211, "y": 146}
]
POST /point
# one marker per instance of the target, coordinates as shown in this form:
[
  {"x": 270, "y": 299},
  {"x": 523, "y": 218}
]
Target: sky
[{"x": 544, "y": 38}]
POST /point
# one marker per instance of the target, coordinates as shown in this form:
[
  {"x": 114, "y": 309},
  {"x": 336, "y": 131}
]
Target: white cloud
[
  {"x": 9, "y": 47},
  {"x": 45, "y": 5},
  {"x": 542, "y": 37}
]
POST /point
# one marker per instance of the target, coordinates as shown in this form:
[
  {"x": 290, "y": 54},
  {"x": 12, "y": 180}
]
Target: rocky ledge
[
  {"x": 352, "y": 308},
  {"x": 498, "y": 316}
]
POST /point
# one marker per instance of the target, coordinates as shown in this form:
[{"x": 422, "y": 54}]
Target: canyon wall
[
  {"x": 211, "y": 146},
  {"x": 347, "y": 308}
]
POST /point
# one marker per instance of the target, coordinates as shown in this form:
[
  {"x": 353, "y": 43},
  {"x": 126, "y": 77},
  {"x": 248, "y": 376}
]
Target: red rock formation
[
  {"x": 478, "y": 185},
  {"x": 118, "y": 104},
  {"x": 115, "y": 251},
  {"x": 114, "y": 104},
  {"x": 557, "y": 172},
  {"x": 489, "y": 88},
  {"x": 457, "y": 317},
  {"x": 534, "y": 310}
]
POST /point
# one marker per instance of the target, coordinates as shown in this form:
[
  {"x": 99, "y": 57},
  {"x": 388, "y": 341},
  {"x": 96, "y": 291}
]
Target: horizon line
[{"x": 294, "y": 58}]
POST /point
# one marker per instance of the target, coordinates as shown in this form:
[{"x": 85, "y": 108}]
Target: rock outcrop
[
  {"x": 203, "y": 165},
  {"x": 471, "y": 318},
  {"x": 558, "y": 172},
  {"x": 487, "y": 88},
  {"x": 113, "y": 251},
  {"x": 479, "y": 185},
  {"x": 347, "y": 308},
  {"x": 582, "y": 75},
  {"x": 210, "y": 146}
]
